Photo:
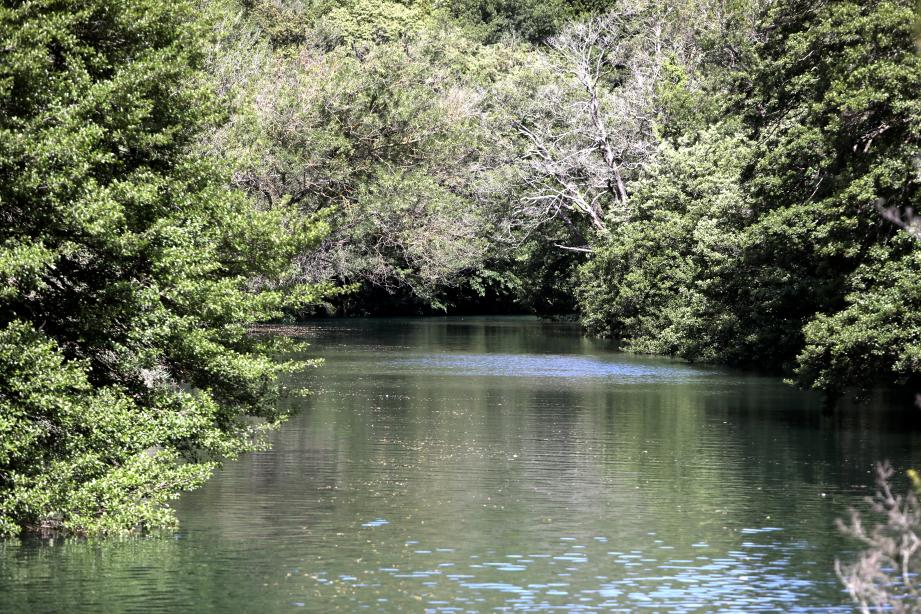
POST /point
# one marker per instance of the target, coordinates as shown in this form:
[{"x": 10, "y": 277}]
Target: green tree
[
  {"x": 489, "y": 20},
  {"x": 128, "y": 272},
  {"x": 875, "y": 335},
  {"x": 818, "y": 283},
  {"x": 370, "y": 21},
  {"x": 391, "y": 139},
  {"x": 652, "y": 281},
  {"x": 836, "y": 110}
]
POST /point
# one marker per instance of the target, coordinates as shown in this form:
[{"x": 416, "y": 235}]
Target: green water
[{"x": 455, "y": 465}]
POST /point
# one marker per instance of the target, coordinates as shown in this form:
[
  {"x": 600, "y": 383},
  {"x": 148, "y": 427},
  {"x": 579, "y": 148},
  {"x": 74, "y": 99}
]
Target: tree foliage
[
  {"x": 393, "y": 140},
  {"x": 652, "y": 281},
  {"x": 814, "y": 279},
  {"x": 838, "y": 134},
  {"x": 128, "y": 270}
]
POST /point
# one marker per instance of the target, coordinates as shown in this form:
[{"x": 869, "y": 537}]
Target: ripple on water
[{"x": 726, "y": 580}]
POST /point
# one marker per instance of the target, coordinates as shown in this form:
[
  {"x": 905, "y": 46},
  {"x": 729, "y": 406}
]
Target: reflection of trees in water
[
  {"x": 112, "y": 575},
  {"x": 681, "y": 427},
  {"x": 495, "y": 464}
]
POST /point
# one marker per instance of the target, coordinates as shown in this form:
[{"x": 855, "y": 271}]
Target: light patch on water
[
  {"x": 761, "y": 530},
  {"x": 730, "y": 581},
  {"x": 547, "y": 366}
]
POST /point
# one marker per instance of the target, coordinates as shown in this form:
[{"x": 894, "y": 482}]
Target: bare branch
[{"x": 883, "y": 576}]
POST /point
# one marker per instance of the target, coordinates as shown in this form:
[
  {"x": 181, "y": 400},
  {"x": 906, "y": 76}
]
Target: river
[{"x": 484, "y": 464}]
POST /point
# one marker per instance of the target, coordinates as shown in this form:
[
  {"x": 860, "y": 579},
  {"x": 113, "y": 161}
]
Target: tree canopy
[{"x": 128, "y": 270}]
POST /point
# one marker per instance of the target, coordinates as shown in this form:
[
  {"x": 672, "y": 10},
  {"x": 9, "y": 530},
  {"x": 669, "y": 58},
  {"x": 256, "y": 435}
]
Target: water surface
[{"x": 500, "y": 464}]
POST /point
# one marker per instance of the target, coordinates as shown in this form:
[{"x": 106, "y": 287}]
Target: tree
[
  {"x": 388, "y": 139},
  {"x": 375, "y": 21},
  {"x": 837, "y": 112},
  {"x": 831, "y": 112},
  {"x": 651, "y": 280},
  {"x": 875, "y": 334},
  {"x": 618, "y": 84},
  {"x": 590, "y": 131},
  {"x": 128, "y": 271}
]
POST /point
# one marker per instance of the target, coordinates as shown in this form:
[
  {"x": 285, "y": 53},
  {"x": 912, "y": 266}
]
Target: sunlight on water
[
  {"x": 748, "y": 579},
  {"x": 550, "y": 365}
]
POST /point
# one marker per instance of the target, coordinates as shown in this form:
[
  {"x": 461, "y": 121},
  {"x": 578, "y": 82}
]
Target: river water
[{"x": 500, "y": 464}]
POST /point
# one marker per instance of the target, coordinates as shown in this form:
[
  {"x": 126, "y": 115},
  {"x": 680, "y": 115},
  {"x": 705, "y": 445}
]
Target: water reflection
[{"x": 471, "y": 465}]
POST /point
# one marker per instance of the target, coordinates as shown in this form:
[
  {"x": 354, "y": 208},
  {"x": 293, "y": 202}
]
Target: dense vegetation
[
  {"x": 129, "y": 270},
  {"x": 790, "y": 263},
  {"x": 698, "y": 179},
  {"x": 703, "y": 179}
]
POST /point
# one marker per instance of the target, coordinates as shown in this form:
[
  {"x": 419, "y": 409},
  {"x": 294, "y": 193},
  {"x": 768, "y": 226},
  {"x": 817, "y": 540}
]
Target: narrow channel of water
[{"x": 483, "y": 464}]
